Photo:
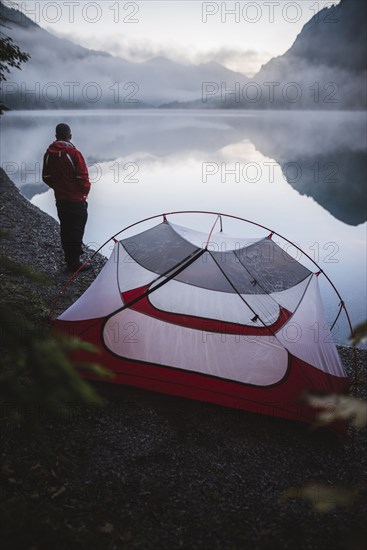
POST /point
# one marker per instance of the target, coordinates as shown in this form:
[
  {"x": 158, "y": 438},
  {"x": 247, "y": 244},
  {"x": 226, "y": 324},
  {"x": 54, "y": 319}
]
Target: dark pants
[{"x": 73, "y": 217}]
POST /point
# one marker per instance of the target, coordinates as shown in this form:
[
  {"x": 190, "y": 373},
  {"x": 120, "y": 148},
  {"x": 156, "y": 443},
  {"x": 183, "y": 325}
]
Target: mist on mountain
[{"x": 64, "y": 75}]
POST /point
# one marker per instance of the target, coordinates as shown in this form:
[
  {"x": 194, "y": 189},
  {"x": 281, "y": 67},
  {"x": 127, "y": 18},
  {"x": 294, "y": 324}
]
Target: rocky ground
[{"x": 150, "y": 471}]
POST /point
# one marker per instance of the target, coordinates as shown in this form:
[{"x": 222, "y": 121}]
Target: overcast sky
[{"x": 240, "y": 35}]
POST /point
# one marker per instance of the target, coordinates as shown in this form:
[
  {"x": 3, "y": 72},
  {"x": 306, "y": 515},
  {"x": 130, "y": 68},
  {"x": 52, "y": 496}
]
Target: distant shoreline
[{"x": 185, "y": 110}]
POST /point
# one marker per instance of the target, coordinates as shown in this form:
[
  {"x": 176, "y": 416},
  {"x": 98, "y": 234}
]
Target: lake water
[{"x": 301, "y": 174}]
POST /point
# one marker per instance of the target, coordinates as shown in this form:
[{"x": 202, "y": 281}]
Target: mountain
[
  {"x": 335, "y": 37},
  {"x": 64, "y": 75},
  {"x": 325, "y": 68},
  {"x": 326, "y": 63}
]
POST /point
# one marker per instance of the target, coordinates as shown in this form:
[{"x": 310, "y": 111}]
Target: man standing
[{"x": 65, "y": 171}]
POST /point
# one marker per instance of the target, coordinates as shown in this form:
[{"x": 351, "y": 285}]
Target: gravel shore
[{"x": 151, "y": 471}]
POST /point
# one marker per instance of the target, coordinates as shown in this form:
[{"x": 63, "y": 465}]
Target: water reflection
[
  {"x": 322, "y": 155},
  {"x": 302, "y": 174}
]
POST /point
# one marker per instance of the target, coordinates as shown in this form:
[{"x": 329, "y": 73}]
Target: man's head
[{"x": 63, "y": 132}]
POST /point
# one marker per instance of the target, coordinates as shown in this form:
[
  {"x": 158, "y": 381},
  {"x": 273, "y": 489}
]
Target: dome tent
[{"x": 208, "y": 317}]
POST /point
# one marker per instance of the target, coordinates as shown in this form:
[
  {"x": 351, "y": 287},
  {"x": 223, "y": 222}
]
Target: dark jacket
[{"x": 65, "y": 171}]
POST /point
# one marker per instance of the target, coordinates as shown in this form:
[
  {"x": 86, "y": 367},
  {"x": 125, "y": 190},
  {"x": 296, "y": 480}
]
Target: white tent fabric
[
  {"x": 239, "y": 325},
  {"x": 307, "y": 335},
  {"x": 102, "y": 297},
  {"x": 219, "y": 241},
  {"x": 178, "y": 297},
  {"x": 162, "y": 343}
]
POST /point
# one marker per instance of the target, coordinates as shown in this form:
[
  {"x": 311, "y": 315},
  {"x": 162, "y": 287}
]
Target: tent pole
[{"x": 219, "y": 216}]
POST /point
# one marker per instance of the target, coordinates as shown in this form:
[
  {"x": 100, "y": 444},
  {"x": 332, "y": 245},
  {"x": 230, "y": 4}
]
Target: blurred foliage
[
  {"x": 359, "y": 335},
  {"x": 323, "y": 498},
  {"x": 339, "y": 407},
  {"x": 10, "y": 57},
  {"x": 333, "y": 408},
  {"x": 36, "y": 370},
  {"x": 15, "y": 268}
]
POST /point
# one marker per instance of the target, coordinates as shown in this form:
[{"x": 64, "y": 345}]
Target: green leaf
[
  {"x": 16, "y": 268},
  {"x": 324, "y": 498},
  {"x": 339, "y": 407},
  {"x": 359, "y": 334}
]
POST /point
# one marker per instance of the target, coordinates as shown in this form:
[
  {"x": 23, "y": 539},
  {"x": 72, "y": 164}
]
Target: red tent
[{"x": 227, "y": 320}]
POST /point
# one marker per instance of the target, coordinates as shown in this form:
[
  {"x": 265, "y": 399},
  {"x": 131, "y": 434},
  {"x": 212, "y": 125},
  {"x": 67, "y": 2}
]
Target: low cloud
[{"x": 245, "y": 61}]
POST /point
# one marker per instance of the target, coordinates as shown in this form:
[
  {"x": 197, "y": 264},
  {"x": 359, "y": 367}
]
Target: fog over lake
[{"x": 301, "y": 174}]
